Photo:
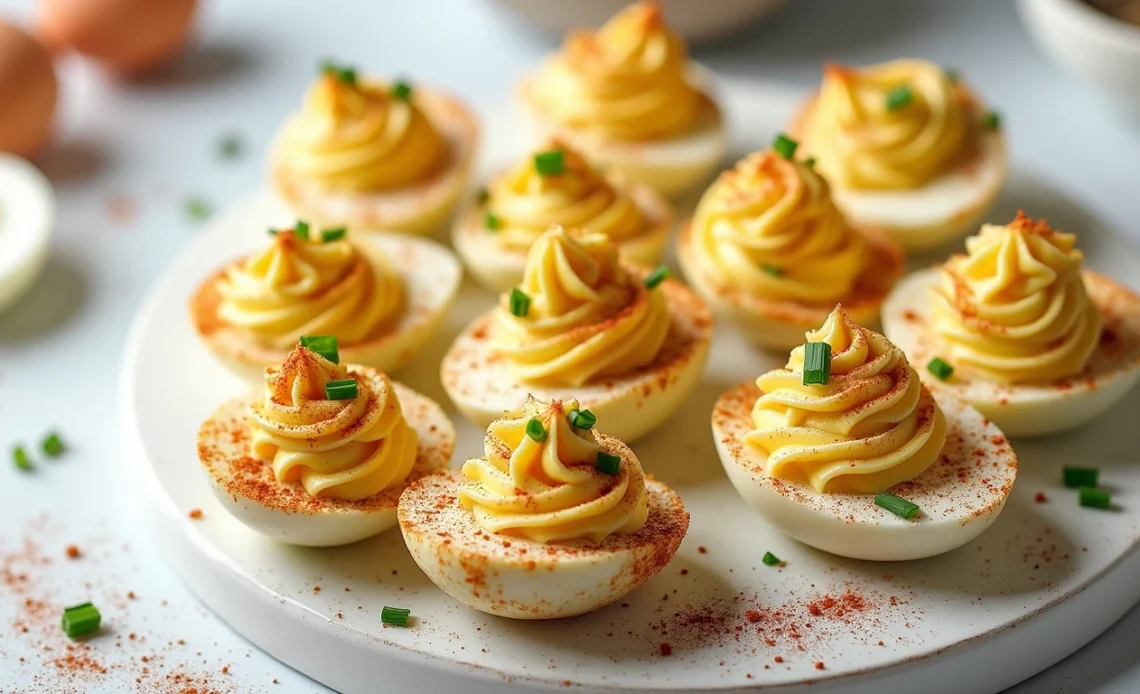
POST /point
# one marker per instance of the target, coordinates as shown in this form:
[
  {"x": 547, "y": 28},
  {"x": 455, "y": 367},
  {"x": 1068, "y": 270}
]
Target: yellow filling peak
[
  {"x": 896, "y": 125},
  {"x": 769, "y": 227},
  {"x": 872, "y": 426},
  {"x": 1014, "y": 308},
  {"x": 627, "y": 81},
  {"x": 588, "y": 316},
  {"x": 361, "y": 137},
  {"x": 549, "y": 490},
  {"x": 527, "y": 202},
  {"x": 343, "y": 449},
  {"x": 308, "y": 287}
]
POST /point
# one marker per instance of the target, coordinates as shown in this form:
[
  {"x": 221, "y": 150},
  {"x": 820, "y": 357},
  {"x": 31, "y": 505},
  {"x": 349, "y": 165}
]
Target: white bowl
[{"x": 1093, "y": 46}]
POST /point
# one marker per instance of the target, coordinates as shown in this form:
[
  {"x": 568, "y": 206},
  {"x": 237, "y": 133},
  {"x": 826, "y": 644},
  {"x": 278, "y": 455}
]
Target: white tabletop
[{"x": 129, "y": 155}]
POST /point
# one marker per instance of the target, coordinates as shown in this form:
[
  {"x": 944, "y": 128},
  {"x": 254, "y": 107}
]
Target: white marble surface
[{"x": 153, "y": 144}]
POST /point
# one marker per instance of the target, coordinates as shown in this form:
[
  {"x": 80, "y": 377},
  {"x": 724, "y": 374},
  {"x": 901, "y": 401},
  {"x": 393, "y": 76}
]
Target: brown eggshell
[{"x": 28, "y": 92}]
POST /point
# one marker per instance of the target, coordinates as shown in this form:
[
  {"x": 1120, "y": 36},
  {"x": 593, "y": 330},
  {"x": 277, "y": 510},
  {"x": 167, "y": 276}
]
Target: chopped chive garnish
[
  {"x": 519, "y": 303},
  {"x": 810, "y": 161},
  {"x": 272, "y": 231},
  {"x": 492, "y": 221},
  {"x": 1094, "y": 498},
  {"x": 772, "y": 270},
  {"x": 396, "y": 616},
  {"x": 482, "y": 196},
  {"x": 301, "y": 230},
  {"x": 941, "y": 370},
  {"x": 347, "y": 75},
  {"x": 899, "y": 97},
  {"x": 992, "y": 121},
  {"x": 402, "y": 90},
  {"x": 324, "y": 345},
  {"x": 344, "y": 389},
  {"x": 771, "y": 559},
  {"x": 785, "y": 146},
  {"x": 656, "y": 277},
  {"x": 52, "y": 445},
  {"x": 230, "y": 146},
  {"x": 582, "y": 419},
  {"x": 609, "y": 464},
  {"x": 535, "y": 430},
  {"x": 198, "y": 209},
  {"x": 1079, "y": 476},
  {"x": 80, "y": 620},
  {"x": 817, "y": 363},
  {"x": 896, "y": 505},
  {"x": 952, "y": 75},
  {"x": 333, "y": 234},
  {"x": 550, "y": 163},
  {"x": 20, "y": 458}
]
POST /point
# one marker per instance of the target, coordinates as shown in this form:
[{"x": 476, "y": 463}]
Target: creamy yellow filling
[
  {"x": 870, "y": 427},
  {"x": 896, "y": 125},
  {"x": 361, "y": 137},
  {"x": 1015, "y": 308},
  {"x": 549, "y": 490},
  {"x": 588, "y": 316},
  {"x": 297, "y": 287},
  {"x": 343, "y": 449},
  {"x": 627, "y": 81},
  {"x": 769, "y": 227},
  {"x": 527, "y": 203}
]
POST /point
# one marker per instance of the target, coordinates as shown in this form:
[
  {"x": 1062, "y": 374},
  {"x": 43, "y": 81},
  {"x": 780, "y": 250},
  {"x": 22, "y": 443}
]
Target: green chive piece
[
  {"x": 1075, "y": 477},
  {"x": 771, "y": 559},
  {"x": 952, "y": 75},
  {"x": 519, "y": 303},
  {"x": 324, "y": 345},
  {"x": 301, "y": 230},
  {"x": 272, "y": 231},
  {"x": 810, "y": 161},
  {"x": 344, "y": 389},
  {"x": 402, "y": 90},
  {"x": 941, "y": 370},
  {"x": 535, "y": 430},
  {"x": 785, "y": 146},
  {"x": 656, "y": 277},
  {"x": 992, "y": 121},
  {"x": 492, "y": 221},
  {"x": 817, "y": 363},
  {"x": 395, "y": 616},
  {"x": 80, "y": 619},
  {"x": 20, "y": 458},
  {"x": 896, "y": 505},
  {"x": 52, "y": 445},
  {"x": 1094, "y": 498},
  {"x": 230, "y": 146},
  {"x": 609, "y": 464},
  {"x": 347, "y": 75},
  {"x": 772, "y": 270},
  {"x": 482, "y": 196},
  {"x": 550, "y": 163},
  {"x": 899, "y": 97},
  {"x": 333, "y": 234},
  {"x": 198, "y": 209},
  {"x": 582, "y": 419}
]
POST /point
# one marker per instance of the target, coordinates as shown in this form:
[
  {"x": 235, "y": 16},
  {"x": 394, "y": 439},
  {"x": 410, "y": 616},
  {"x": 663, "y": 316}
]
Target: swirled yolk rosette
[
  {"x": 343, "y": 449},
  {"x": 868, "y": 135},
  {"x": 627, "y": 81},
  {"x": 769, "y": 227},
  {"x": 549, "y": 490},
  {"x": 872, "y": 426},
  {"x": 588, "y": 316},
  {"x": 299, "y": 287},
  {"x": 359, "y": 136},
  {"x": 527, "y": 202},
  {"x": 1015, "y": 307}
]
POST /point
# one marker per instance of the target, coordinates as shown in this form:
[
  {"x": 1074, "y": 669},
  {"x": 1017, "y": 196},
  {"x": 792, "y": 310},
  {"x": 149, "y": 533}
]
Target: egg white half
[{"x": 27, "y": 215}]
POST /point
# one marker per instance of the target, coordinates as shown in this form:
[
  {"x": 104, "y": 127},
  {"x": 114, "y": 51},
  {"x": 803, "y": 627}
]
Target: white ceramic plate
[{"x": 1058, "y": 573}]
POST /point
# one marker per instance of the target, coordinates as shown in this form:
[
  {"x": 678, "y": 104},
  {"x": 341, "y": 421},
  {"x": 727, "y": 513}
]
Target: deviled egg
[
  {"x": 383, "y": 298},
  {"x": 768, "y": 249},
  {"x": 555, "y": 520},
  {"x": 627, "y": 344},
  {"x": 555, "y": 185},
  {"x": 321, "y": 455},
  {"x": 27, "y": 215},
  {"x": 845, "y": 449},
  {"x": 1019, "y": 330},
  {"x": 387, "y": 156},
  {"x": 907, "y": 148},
  {"x": 628, "y": 98}
]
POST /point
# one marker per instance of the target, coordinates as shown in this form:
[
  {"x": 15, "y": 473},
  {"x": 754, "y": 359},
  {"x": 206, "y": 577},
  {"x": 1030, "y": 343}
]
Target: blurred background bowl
[
  {"x": 697, "y": 20},
  {"x": 1092, "y": 45}
]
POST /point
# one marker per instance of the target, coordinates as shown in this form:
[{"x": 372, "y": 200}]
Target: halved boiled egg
[
  {"x": 555, "y": 520},
  {"x": 851, "y": 454},
  {"x": 27, "y": 216},
  {"x": 320, "y": 457}
]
